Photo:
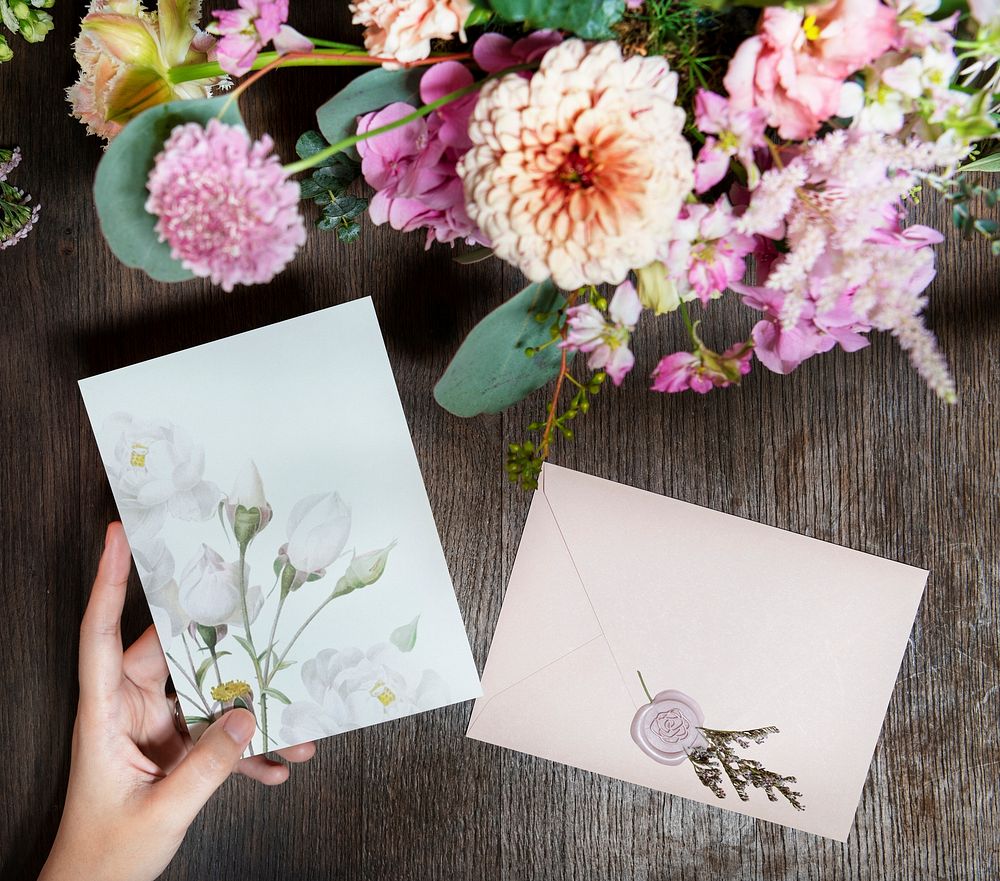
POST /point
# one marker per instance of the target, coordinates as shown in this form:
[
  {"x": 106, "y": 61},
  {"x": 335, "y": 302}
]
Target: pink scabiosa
[
  {"x": 403, "y": 29},
  {"x": 587, "y": 330},
  {"x": 702, "y": 370},
  {"x": 224, "y": 204},
  {"x": 578, "y": 173}
]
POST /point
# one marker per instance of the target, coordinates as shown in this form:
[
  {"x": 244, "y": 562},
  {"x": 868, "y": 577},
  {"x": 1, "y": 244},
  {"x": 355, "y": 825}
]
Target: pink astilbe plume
[{"x": 224, "y": 204}]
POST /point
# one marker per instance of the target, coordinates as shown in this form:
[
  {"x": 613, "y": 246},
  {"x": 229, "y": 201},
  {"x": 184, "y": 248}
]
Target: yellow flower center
[
  {"x": 229, "y": 691},
  {"x": 138, "y": 457},
  {"x": 382, "y": 693},
  {"x": 810, "y": 28}
]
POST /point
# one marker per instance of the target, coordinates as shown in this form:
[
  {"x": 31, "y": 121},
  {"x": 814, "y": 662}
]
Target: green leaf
[
  {"x": 590, "y": 19},
  {"x": 199, "y": 674},
  {"x": 120, "y": 185},
  {"x": 284, "y": 665},
  {"x": 983, "y": 163},
  {"x": 405, "y": 637},
  {"x": 373, "y": 90},
  {"x": 491, "y": 371},
  {"x": 277, "y": 695},
  {"x": 197, "y": 720},
  {"x": 247, "y": 647}
]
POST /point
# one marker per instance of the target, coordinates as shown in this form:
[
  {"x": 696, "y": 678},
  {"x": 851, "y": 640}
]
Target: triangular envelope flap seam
[{"x": 546, "y": 614}]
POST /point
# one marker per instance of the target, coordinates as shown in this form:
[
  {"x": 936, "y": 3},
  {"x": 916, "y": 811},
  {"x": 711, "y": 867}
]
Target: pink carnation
[
  {"x": 412, "y": 168},
  {"x": 795, "y": 65},
  {"x": 224, "y": 204}
]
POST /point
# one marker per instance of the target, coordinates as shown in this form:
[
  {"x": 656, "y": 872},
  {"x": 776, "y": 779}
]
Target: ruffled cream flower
[
  {"x": 579, "y": 172},
  {"x": 403, "y": 29}
]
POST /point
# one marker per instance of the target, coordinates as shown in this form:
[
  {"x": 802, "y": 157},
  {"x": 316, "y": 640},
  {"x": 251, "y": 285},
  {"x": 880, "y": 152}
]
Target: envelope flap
[{"x": 546, "y": 614}]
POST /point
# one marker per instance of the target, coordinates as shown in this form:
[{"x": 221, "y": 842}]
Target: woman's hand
[{"x": 136, "y": 782}]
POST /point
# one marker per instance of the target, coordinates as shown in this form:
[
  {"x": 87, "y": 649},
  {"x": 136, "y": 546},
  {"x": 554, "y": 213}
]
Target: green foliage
[
  {"x": 373, "y": 90},
  {"x": 525, "y": 459},
  {"x": 328, "y": 188},
  {"x": 507, "y": 356},
  {"x": 120, "y": 185},
  {"x": 405, "y": 637},
  {"x": 590, "y": 19},
  {"x": 962, "y": 195},
  {"x": 984, "y": 163}
]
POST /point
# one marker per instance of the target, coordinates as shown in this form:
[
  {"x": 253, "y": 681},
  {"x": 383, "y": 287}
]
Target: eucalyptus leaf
[
  {"x": 120, "y": 185},
  {"x": 373, "y": 90},
  {"x": 405, "y": 637},
  {"x": 491, "y": 370},
  {"x": 984, "y": 163},
  {"x": 590, "y": 19}
]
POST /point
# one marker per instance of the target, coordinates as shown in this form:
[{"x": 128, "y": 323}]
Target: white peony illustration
[
  {"x": 155, "y": 469},
  {"x": 351, "y": 689},
  {"x": 156, "y": 567}
]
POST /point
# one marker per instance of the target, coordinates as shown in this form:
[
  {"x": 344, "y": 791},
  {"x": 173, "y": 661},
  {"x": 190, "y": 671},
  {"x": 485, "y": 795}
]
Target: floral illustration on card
[
  {"x": 220, "y": 618},
  {"x": 670, "y": 729}
]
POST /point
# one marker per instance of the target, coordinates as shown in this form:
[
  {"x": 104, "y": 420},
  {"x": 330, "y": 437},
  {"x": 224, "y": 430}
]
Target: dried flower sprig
[
  {"x": 17, "y": 216},
  {"x": 719, "y": 756}
]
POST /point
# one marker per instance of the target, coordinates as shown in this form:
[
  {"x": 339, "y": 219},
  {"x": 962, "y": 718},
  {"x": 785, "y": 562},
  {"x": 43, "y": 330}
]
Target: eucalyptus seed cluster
[{"x": 719, "y": 756}]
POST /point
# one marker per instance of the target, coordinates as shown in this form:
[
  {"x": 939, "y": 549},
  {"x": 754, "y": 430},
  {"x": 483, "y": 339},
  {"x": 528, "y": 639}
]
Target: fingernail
[{"x": 239, "y": 725}]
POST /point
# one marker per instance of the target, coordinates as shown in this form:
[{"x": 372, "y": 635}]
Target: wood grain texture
[{"x": 850, "y": 448}]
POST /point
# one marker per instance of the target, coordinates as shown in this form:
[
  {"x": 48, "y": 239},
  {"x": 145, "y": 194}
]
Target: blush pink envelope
[{"x": 744, "y": 625}]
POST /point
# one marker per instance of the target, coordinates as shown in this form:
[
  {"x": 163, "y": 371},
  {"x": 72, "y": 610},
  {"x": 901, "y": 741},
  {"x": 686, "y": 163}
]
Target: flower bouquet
[{"x": 681, "y": 151}]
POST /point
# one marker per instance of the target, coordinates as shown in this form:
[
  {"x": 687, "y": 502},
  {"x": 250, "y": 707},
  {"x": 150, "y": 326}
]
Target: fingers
[
  {"x": 144, "y": 663},
  {"x": 100, "y": 631},
  {"x": 264, "y": 770},
  {"x": 213, "y": 758},
  {"x": 272, "y": 773}
]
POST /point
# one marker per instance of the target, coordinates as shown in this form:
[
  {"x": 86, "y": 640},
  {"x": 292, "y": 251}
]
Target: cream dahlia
[{"x": 579, "y": 173}]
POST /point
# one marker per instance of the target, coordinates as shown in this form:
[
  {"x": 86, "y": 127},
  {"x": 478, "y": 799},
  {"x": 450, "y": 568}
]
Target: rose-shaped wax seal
[{"x": 666, "y": 729}]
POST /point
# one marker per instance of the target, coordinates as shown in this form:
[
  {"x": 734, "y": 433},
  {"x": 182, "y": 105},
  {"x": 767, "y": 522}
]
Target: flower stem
[
  {"x": 425, "y": 110},
  {"x": 249, "y": 638},
  {"x": 270, "y": 640},
  {"x": 346, "y": 56},
  {"x": 298, "y": 633},
  {"x": 643, "y": 682}
]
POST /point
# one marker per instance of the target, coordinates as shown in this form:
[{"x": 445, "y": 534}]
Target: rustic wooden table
[{"x": 850, "y": 449}]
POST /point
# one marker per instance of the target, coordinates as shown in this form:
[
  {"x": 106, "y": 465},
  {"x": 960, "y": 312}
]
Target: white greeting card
[{"x": 270, "y": 492}]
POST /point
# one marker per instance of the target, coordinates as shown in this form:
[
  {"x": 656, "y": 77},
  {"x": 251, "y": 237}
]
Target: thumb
[{"x": 213, "y": 758}]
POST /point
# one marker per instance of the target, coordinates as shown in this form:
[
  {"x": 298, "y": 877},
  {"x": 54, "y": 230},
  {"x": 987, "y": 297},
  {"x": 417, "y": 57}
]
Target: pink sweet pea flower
[
  {"x": 495, "y": 52},
  {"x": 707, "y": 254},
  {"x": 782, "y": 348},
  {"x": 607, "y": 342},
  {"x": 245, "y": 31},
  {"x": 795, "y": 66},
  {"x": 739, "y": 131},
  {"x": 412, "y": 168},
  {"x": 702, "y": 370}
]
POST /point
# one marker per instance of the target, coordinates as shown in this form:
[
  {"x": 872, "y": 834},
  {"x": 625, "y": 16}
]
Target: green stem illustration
[
  {"x": 270, "y": 640},
  {"x": 251, "y": 650},
  {"x": 298, "y": 633}
]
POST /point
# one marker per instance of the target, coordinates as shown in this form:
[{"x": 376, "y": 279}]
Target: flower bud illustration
[
  {"x": 246, "y": 506},
  {"x": 318, "y": 527},
  {"x": 364, "y": 570}
]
